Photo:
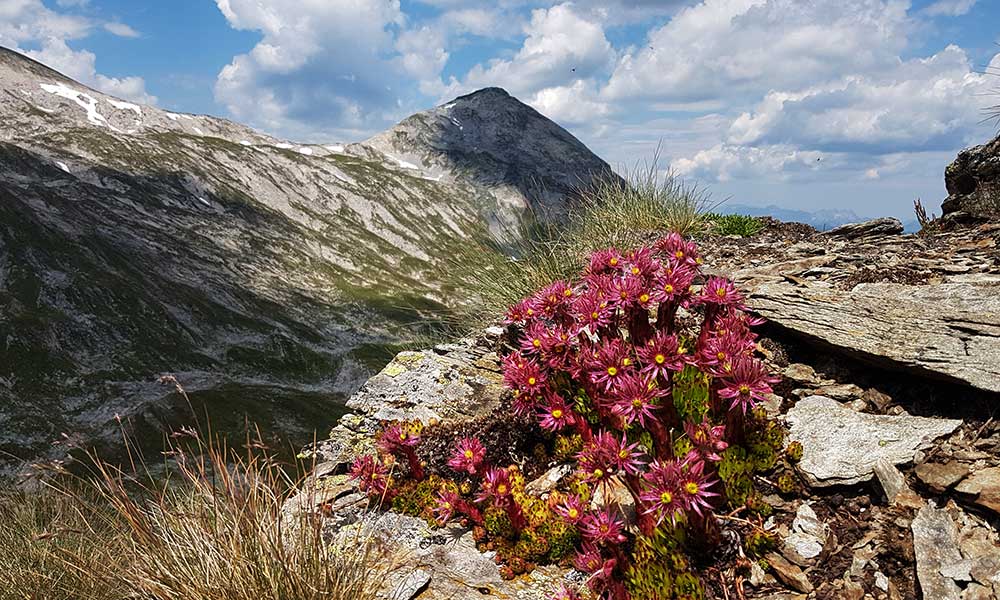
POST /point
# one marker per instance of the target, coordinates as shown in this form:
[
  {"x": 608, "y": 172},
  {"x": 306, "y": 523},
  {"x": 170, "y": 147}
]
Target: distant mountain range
[{"x": 822, "y": 219}]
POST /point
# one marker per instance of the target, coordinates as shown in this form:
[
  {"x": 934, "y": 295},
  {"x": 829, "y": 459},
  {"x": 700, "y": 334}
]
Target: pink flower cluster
[{"x": 599, "y": 358}]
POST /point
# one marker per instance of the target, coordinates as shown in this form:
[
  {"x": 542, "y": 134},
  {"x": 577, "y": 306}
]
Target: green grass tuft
[{"x": 741, "y": 225}]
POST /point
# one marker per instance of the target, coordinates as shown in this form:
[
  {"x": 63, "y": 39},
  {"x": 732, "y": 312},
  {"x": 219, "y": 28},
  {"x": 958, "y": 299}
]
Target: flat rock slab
[
  {"x": 950, "y": 330},
  {"x": 842, "y": 447},
  {"x": 882, "y": 226}
]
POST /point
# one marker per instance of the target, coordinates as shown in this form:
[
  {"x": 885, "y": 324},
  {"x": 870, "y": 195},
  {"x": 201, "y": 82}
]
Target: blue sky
[{"x": 807, "y": 104}]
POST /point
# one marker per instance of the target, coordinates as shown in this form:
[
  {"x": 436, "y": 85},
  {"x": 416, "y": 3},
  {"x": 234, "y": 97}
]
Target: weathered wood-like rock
[
  {"x": 936, "y": 547},
  {"x": 950, "y": 331},
  {"x": 842, "y": 447},
  {"x": 985, "y": 486},
  {"x": 882, "y": 226}
]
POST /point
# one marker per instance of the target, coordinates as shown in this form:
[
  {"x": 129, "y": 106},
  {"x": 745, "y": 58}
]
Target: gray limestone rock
[
  {"x": 842, "y": 447},
  {"x": 949, "y": 331}
]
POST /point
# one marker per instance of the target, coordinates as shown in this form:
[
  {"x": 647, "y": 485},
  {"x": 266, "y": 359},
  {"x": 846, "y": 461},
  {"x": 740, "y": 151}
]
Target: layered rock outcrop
[{"x": 973, "y": 182}]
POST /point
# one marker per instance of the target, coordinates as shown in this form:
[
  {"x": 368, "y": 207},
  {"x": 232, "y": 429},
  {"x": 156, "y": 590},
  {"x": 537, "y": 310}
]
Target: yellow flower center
[
  {"x": 557, "y": 414},
  {"x": 635, "y": 270},
  {"x": 568, "y": 293},
  {"x": 598, "y": 473},
  {"x": 613, "y": 262},
  {"x": 402, "y": 436},
  {"x": 668, "y": 288},
  {"x": 691, "y": 488},
  {"x": 573, "y": 513},
  {"x": 644, "y": 298},
  {"x": 721, "y": 292},
  {"x": 531, "y": 381},
  {"x": 536, "y": 342},
  {"x": 623, "y": 454},
  {"x": 721, "y": 355},
  {"x": 502, "y": 489},
  {"x": 594, "y": 315},
  {"x": 624, "y": 295},
  {"x": 468, "y": 454},
  {"x": 660, "y": 359},
  {"x": 612, "y": 371},
  {"x": 531, "y": 312},
  {"x": 604, "y": 528},
  {"x": 745, "y": 389},
  {"x": 666, "y": 497},
  {"x": 679, "y": 254},
  {"x": 446, "y": 505},
  {"x": 626, "y": 361},
  {"x": 637, "y": 402},
  {"x": 553, "y": 297}
]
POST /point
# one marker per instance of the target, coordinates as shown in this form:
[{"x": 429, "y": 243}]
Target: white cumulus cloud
[
  {"x": 730, "y": 48},
  {"x": 950, "y": 8},
  {"x": 28, "y": 26},
  {"x": 560, "y": 46},
  {"x": 320, "y": 64}
]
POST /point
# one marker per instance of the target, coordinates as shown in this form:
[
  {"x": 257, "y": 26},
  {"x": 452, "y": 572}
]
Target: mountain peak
[{"x": 494, "y": 139}]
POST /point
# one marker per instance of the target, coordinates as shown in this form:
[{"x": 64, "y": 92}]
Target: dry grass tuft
[
  {"x": 212, "y": 529},
  {"x": 620, "y": 211}
]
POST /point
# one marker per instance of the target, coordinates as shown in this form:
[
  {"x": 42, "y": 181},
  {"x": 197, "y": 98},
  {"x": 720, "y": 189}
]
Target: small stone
[
  {"x": 985, "y": 486},
  {"x": 841, "y": 447},
  {"x": 549, "y": 480},
  {"x": 757, "y": 574},
  {"x": 959, "y": 571},
  {"x": 800, "y": 548},
  {"x": 841, "y": 391},
  {"x": 857, "y": 405},
  {"x": 941, "y": 476},
  {"x": 986, "y": 568},
  {"x": 772, "y": 405},
  {"x": 413, "y": 584},
  {"x": 894, "y": 487},
  {"x": 976, "y": 591},
  {"x": 935, "y": 546},
  {"x": 789, "y": 574},
  {"x": 852, "y": 591},
  {"x": 860, "y": 560},
  {"x": 881, "y": 581},
  {"x": 877, "y": 399},
  {"x": 801, "y": 373}
]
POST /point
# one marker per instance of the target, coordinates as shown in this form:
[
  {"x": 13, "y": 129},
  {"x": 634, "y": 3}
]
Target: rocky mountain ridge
[{"x": 136, "y": 241}]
